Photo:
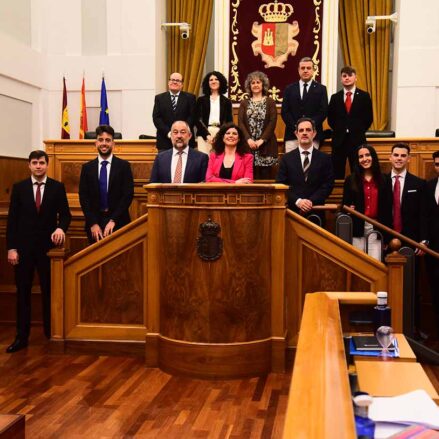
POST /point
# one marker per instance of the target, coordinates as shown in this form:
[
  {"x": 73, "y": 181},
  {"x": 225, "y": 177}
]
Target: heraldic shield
[
  {"x": 275, "y": 38},
  {"x": 209, "y": 244}
]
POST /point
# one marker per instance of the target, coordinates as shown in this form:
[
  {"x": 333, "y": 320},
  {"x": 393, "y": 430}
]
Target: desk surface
[
  {"x": 391, "y": 378},
  {"x": 405, "y": 351}
]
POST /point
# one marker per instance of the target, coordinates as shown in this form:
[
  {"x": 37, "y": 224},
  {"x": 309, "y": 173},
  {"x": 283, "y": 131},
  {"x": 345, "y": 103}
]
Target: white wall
[
  {"x": 415, "y": 93},
  {"x": 131, "y": 53}
]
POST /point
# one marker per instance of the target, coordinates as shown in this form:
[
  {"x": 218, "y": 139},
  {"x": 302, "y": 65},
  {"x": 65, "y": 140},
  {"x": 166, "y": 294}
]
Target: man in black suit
[
  {"x": 170, "y": 106},
  {"x": 304, "y": 98},
  {"x": 106, "y": 188},
  {"x": 306, "y": 170},
  {"x": 349, "y": 115},
  {"x": 401, "y": 200},
  {"x": 193, "y": 165},
  {"x": 38, "y": 219},
  {"x": 432, "y": 225}
]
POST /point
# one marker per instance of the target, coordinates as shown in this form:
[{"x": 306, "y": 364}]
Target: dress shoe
[{"x": 19, "y": 343}]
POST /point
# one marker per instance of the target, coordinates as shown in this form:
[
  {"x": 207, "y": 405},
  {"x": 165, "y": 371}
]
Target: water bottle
[
  {"x": 381, "y": 312},
  {"x": 364, "y": 426}
]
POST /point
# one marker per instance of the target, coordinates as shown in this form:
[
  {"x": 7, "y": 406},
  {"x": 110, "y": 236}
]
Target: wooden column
[
  {"x": 57, "y": 256},
  {"x": 224, "y": 317}
]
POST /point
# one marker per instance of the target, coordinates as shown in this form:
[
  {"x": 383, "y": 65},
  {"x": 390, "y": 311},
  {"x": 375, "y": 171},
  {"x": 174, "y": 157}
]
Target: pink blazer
[{"x": 243, "y": 167}]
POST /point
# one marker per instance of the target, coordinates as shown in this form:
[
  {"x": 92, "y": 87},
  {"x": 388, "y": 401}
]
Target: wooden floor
[{"x": 85, "y": 396}]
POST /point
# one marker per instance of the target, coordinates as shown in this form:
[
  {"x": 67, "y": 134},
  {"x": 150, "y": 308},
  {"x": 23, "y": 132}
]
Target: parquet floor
[{"x": 85, "y": 396}]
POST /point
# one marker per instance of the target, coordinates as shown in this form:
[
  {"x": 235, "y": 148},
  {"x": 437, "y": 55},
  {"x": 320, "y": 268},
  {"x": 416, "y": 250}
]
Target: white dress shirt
[
  {"x": 301, "y": 83},
  {"x": 352, "y": 95},
  {"x": 34, "y": 186},
  {"x": 214, "y": 115}
]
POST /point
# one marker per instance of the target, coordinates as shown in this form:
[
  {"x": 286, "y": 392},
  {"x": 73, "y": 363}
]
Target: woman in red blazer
[{"x": 230, "y": 162}]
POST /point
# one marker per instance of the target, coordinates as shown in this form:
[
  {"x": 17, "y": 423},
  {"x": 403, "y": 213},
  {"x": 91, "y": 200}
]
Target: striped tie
[
  {"x": 306, "y": 164},
  {"x": 174, "y": 102},
  {"x": 179, "y": 168}
]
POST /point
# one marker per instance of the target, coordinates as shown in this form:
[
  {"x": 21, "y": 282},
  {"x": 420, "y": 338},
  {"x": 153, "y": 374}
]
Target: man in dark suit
[
  {"x": 432, "y": 225},
  {"x": 401, "y": 200},
  {"x": 106, "y": 188},
  {"x": 304, "y": 98},
  {"x": 38, "y": 219},
  {"x": 170, "y": 106},
  {"x": 349, "y": 115},
  {"x": 306, "y": 170},
  {"x": 180, "y": 164}
]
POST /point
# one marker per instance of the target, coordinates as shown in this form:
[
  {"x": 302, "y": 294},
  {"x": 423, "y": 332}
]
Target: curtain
[
  {"x": 368, "y": 53},
  {"x": 187, "y": 56}
]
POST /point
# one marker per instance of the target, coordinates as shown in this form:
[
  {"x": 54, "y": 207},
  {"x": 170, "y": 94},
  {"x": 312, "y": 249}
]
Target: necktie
[
  {"x": 173, "y": 102},
  {"x": 397, "y": 220},
  {"x": 179, "y": 168},
  {"x": 38, "y": 196},
  {"x": 305, "y": 91},
  {"x": 348, "y": 101},
  {"x": 306, "y": 164},
  {"x": 103, "y": 190}
]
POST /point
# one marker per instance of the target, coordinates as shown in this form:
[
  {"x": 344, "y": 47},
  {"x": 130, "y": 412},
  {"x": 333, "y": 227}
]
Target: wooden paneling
[
  {"x": 110, "y": 293},
  {"x": 12, "y": 169},
  {"x": 228, "y": 302}
]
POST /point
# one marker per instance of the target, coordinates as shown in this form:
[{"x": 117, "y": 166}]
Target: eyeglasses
[{"x": 175, "y": 80}]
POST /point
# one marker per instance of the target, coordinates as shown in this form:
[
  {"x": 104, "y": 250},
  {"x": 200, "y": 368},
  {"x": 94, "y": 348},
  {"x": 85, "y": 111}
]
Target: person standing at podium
[
  {"x": 106, "y": 189},
  {"x": 230, "y": 161},
  {"x": 38, "y": 219},
  {"x": 181, "y": 164}
]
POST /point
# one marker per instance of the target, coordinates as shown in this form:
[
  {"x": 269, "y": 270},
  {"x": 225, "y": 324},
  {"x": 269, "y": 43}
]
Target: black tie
[
  {"x": 306, "y": 164},
  {"x": 305, "y": 92}
]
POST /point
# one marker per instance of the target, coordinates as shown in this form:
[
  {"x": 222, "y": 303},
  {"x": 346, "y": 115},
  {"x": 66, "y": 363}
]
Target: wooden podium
[{"x": 216, "y": 304}]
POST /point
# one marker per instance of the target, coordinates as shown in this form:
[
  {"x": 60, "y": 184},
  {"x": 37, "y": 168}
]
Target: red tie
[
  {"x": 179, "y": 168},
  {"x": 38, "y": 196},
  {"x": 348, "y": 101},
  {"x": 397, "y": 220}
]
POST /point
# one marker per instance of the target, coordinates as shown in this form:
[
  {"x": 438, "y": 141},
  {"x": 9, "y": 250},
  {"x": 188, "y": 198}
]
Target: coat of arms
[{"x": 275, "y": 38}]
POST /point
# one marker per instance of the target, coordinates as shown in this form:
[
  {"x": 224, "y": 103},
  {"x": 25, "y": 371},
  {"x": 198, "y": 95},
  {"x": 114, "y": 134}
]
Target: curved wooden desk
[{"x": 221, "y": 318}]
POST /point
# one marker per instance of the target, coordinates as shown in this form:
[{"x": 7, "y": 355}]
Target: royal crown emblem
[
  {"x": 275, "y": 12},
  {"x": 275, "y": 38}
]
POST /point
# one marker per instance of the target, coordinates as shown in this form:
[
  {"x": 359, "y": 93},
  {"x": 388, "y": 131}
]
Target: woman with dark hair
[
  {"x": 361, "y": 192},
  {"x": 229, "y": 162},
  {"x": 213, "y": 109},
  {"x": 257, "y": 118}
]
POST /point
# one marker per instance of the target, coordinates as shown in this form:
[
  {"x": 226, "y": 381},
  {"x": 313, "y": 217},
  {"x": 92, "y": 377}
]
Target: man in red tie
[
  {"x": 38, "y": 219},
  {"x": 401, "y": 205},
  {"x": 349, "y": 116}
]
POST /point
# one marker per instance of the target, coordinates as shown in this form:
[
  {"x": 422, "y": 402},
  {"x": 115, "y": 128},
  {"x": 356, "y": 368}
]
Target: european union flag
[{"x": 104, "y": 115}]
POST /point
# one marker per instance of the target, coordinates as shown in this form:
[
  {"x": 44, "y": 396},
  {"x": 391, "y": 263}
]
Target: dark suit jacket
[
  {"x": 195, "y": 171},
  {"x": 26, "y": 228},
  {"x": 320, "y": 177},
  {"x": 163, "y": 116},
  {"x": 269, "y": 147},
  {"x": 413, "y": 222},
  {"x": 120, "y": 192},
  {"x": 203, "y": 113},
  {"x": 355, "y": 196},
  {"x": 357, "y": 121},
  {"x": 315, "y": 106},
  {"x": 432, "y": 214}
]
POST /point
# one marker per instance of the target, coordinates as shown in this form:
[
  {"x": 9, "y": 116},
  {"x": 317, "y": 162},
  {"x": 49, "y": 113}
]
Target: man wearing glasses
[{"x": 170, "y": 106}]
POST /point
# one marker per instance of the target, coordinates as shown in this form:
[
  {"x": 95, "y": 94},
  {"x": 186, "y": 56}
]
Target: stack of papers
[{"x": 393, "y": 414}]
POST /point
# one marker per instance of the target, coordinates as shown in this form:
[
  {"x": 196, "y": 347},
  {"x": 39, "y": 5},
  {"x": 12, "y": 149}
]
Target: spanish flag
[
  {"x": 65, "y": 127},
  {"x": 83, "y": 124}
]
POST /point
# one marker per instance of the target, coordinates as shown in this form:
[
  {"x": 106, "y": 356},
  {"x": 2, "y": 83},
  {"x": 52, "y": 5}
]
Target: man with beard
[
  {"x": 106, "y": 189},
  {"x": 180, "y": 164}
]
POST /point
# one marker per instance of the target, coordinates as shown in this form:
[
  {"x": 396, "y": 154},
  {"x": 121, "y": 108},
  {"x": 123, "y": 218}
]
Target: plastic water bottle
[{"x": 381, "y": 312}]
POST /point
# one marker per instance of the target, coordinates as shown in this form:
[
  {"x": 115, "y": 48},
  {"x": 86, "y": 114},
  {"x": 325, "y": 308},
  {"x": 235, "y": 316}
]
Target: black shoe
[{"x": 19, "y": 343}]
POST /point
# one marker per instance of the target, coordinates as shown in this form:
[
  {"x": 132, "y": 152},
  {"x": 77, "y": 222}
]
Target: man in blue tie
[{"x": 106, "y": 189}]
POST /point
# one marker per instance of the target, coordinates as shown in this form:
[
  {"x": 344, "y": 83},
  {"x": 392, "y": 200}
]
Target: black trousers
[
  {"x": 339, "y": 155},
  {"x": 29, "y": 262}
]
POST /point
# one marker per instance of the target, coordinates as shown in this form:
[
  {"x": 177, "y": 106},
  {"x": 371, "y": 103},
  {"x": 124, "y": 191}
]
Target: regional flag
[
  {"x": 83, "y": 124},
  {"x": 65, "y": 127},
  {"x": 104, "y": 116}
]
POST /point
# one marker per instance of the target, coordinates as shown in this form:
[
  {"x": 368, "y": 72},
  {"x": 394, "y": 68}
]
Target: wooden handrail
[{"x": 390, "y": 231}]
